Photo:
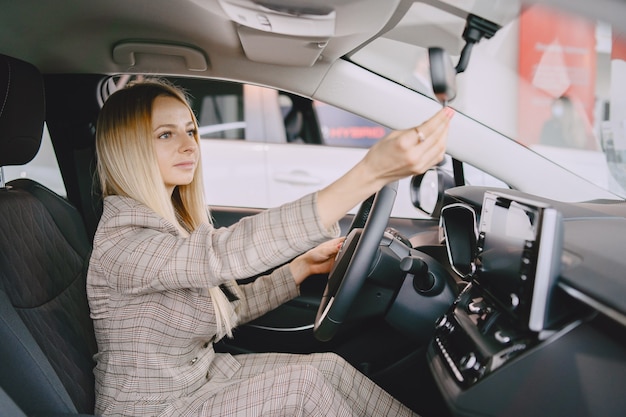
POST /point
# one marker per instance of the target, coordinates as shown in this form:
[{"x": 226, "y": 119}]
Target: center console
[
  {"x": 516, "y": 341},
  {"x": 511, "y": 303}
]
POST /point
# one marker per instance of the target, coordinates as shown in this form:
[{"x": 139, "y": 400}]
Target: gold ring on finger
[{"x": 420, "y": 136}]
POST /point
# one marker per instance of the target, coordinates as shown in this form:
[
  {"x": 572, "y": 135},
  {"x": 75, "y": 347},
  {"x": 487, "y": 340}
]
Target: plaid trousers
[{"x": 318, "y": 384}]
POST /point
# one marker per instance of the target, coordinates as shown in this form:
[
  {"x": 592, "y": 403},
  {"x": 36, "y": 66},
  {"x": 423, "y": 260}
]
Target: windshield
[{"x": 564, "y": 78}]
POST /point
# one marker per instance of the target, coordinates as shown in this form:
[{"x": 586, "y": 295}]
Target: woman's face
[{"x": 173, "y": 131}]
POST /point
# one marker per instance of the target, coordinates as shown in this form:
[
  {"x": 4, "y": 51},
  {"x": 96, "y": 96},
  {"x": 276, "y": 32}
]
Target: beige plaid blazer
[{"x": 153, "y": 318}]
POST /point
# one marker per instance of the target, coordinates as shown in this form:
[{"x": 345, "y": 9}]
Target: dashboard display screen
[{"x": 518, "y": 256}]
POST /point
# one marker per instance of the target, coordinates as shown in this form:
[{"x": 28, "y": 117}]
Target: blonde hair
[{"x": 127, "y": 166}]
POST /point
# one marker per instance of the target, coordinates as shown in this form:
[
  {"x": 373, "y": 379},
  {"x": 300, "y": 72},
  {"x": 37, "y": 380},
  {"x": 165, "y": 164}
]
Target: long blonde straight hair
[{"x": 127, "y": 166}]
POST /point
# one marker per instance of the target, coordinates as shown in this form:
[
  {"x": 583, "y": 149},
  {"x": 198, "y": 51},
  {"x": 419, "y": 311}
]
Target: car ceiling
[
  {"x": 203, "y": 29},
  {"x": 81, "y": 36},
  {"x": 98, "y": 26}
]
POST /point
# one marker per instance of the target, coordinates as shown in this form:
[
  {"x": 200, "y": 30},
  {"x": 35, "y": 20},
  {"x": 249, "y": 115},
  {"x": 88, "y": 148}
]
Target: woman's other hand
[{"x": 318, "y": 260}]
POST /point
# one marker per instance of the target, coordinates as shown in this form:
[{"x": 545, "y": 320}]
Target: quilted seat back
[{"x": 46, "y": 332}]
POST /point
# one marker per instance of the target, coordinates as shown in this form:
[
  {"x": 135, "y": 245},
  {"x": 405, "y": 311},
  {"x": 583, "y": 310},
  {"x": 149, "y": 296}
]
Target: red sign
[
  {"x": 557, "y": 58},
  {"x": 618, "y": 48}
]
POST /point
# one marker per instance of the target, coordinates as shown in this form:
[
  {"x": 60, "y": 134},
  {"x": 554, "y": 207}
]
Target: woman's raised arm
[{"x": 401, "y": 154}]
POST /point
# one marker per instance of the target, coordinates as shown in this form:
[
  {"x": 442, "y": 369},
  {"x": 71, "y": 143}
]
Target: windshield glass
[{"x": 564, "y": 78}]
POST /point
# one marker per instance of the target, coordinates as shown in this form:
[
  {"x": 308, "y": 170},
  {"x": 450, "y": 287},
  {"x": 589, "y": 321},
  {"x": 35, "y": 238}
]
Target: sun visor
[
  {"x": 275, "y": 32},
  {"x": 270, "y": 48}
]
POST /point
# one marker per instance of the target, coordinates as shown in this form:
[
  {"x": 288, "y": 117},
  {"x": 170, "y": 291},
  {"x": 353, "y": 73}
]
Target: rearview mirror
[{"x": 442, "y": 75}]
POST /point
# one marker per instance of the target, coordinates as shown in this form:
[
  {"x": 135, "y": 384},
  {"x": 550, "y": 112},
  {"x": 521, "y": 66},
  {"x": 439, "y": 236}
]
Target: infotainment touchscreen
[{"x": 519, "y": 256}]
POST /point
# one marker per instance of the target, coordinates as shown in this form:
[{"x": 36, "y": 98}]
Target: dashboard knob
[{"x": 468, "y": 361}]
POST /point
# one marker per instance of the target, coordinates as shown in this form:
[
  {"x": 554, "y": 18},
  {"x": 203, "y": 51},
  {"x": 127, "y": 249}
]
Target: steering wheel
[{"x": 353, "y": 261}]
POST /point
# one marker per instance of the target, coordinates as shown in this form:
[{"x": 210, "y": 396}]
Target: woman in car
[{"x": 161, "y": 281}]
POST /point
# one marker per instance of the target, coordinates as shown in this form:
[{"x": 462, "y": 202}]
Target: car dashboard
[{"x": 539, "y": 328}]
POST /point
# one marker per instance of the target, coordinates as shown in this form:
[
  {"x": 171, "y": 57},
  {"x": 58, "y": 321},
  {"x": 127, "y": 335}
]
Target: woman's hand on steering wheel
[
  {"x": 352, "y": 266},
  {"x": 318, "y": 260}
]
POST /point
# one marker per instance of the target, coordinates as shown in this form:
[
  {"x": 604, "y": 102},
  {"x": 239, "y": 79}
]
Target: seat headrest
[{"x": 22, "y": 111}]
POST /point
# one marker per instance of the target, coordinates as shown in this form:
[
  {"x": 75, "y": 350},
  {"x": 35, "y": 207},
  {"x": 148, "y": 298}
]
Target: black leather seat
[{"x": 46, "y": 335}]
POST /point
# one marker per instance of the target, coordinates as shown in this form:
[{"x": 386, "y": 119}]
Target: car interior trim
[
  {"x": 591, "y": 302},
  {"x": 281, "y": 329}
]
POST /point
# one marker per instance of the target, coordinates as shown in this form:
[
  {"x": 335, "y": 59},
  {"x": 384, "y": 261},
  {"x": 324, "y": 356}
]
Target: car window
[
  {"x": 315, "y": 122},
  {"x": 475, "y": 176},
  {"x": 262, "y": 147},
  {"x": 342, "y": 128},
  {"x": 44, "y": 168},
  {"x": 220, "y": 112}
]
